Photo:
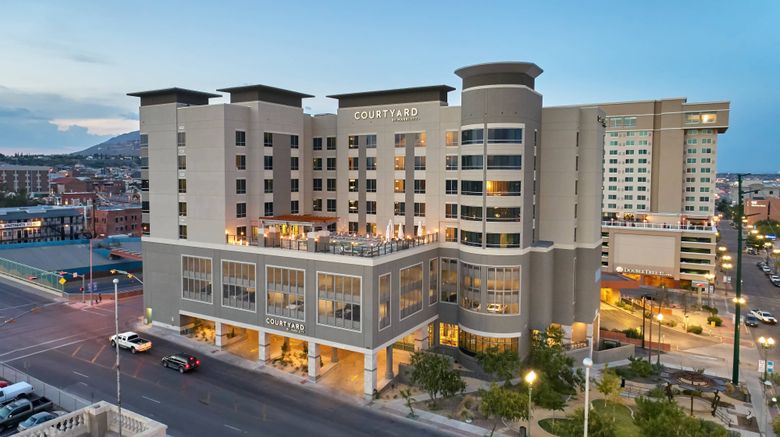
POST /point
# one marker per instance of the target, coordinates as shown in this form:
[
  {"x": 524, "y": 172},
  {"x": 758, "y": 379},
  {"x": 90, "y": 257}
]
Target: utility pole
[{"x": 738, "y": 285}]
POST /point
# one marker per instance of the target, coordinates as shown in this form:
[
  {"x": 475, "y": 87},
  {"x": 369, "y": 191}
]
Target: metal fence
[
  {"x": 31, "y": 274},
  {"x": 62, "y": 399}
]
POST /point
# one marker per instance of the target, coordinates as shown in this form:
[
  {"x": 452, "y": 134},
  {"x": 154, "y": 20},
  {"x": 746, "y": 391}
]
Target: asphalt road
[
  {"x": 759, "y": 292},
  {"x": 69, "y": 348}
]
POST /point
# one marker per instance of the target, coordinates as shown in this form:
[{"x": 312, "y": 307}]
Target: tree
[
  {"x": 600, "y": 424},
  {"x": 435, "y": 375},
  {"x": 547, "y": 353},
  {"x": 503, "y": 365},
  {"x": 665, "y": 417},
  {"x": 609, "y": 384},
  {"x": 503, "y": 403}
]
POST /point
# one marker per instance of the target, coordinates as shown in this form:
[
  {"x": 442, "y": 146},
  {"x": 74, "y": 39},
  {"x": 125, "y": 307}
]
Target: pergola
[{"x": 694, "y": 381}]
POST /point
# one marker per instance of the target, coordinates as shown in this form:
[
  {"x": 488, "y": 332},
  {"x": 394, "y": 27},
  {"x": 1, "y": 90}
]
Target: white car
[
  {"x": 764, "y": 316},
  {"x": 774, "y": 278},
  {"x": 766, "y": 269}
]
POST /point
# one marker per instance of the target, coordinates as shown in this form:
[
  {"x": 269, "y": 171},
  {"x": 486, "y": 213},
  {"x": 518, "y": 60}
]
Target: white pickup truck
[{"x": 131, "y": 340}]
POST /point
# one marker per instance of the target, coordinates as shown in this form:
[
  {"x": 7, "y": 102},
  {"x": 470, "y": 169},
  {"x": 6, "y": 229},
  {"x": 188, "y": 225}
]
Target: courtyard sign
[
  {"x": 399, "y": 114},
  {"x": 286, "y": 325}
]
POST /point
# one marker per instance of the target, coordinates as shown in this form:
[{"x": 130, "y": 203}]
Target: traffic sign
[
  {"x": 760, "y": 366},
  {"x": 770, "y": 366},
  {"x": 62, "y": 281}
]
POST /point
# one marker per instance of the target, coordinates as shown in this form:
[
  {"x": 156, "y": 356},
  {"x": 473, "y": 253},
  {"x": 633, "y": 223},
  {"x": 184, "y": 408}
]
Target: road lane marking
[
  {"x": 80, "y": 374},
  {"x": 18, "y": 306},
  {"x": 97, "y": 354},
  {"x": 53, "y": 348},
  {"x": 39, "y": 344},
  {"x": 233, "y": 428},
  {"x": 77, "y": 350},
  {"x": 150, "y": 399}
]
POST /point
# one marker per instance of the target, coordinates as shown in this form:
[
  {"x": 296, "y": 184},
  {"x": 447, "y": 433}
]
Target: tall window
[
  {"x": 240, "y": 138},
  {"x": 240, "y": 210},
  {"x": 268, "y": 209},
  {"x": 268, "y": 139},
  {"x": 285, "y": 292},
  {"x": 353, "y": 141},
  {"x": 181, "y": 162},
  {"x": 240, "y": 162},
  {"x": 451, "y": 138},
  {"x": 384, "y": 301},
  {"x": 471, "y": 283},
  {"x": 294, "y": 207},
  {"x": 238, "y": 285},
  {"x": 181, "y": 139},
  {"x": 317, "y": 144},
  {"x": 268, "y": 162},
  {"x": 505, "y": 135},
  {"x": 294, "y": 163},
  {"x": 293, "y": 141},
  {"x": 400, "y": 140},
  {"x": 338, "y": 300},
  {"x": 331, "y": 143},
  {"x": 411, "y": 294},
  {"x": 449, "y": 280},
  {"x": 503, "y": 290},
  {"x": 419, "y": 163},
  {"x": 196, "y": 279},
  {"x": 471, "y": 136},
  {"x": 182, "y": 209},
  {"x": 240, "y": 186},
  {"x": 433, "y": 282},
  {"x": 371, "y": 141},
  {"x": 182, "y": 185}
]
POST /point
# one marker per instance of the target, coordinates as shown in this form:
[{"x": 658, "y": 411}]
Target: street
[{"x": 69, "y": 348}]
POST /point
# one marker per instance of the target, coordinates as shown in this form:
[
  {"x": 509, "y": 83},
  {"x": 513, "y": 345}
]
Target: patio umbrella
[
  {"x": 389, "y": 231},
  {"x": 400, "y": 230},
  {"x": 419, "y": 229}
]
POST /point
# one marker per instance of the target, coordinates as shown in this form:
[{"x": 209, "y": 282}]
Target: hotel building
[
  {"x": 33, "y": 224},
  {"x": 399, "y": 220},
  {"x": 659, "y": 190}
]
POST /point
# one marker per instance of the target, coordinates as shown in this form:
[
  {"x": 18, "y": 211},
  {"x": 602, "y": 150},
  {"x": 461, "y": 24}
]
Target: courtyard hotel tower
[{"x": 399, "y": 222}]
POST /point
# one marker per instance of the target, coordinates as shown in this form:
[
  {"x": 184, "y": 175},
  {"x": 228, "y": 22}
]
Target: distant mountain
[{"x": 128, "y": 144}]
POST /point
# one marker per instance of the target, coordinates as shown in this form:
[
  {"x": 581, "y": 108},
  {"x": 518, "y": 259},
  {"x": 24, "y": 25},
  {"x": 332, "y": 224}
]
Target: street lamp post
[
  {"x": 530, "y": 377},
  {"x": 116, "y": 332},
  {"x": 738, "y": 285},
  {"x": 660, "y": 318},
  {"x": 588, "y": 363},
  {"x": 766, "y": 344}
]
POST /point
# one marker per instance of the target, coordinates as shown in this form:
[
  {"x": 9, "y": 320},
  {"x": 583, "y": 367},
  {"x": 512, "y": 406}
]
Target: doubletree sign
[{"x": 296, "y": 327}]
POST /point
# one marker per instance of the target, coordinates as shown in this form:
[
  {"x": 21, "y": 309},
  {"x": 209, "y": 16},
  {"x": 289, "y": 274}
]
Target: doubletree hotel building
[{"x": 399, "y": 220}]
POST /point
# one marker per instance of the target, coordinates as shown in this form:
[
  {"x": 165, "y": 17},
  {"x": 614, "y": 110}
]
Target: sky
[{"x": 65, "y": 67}]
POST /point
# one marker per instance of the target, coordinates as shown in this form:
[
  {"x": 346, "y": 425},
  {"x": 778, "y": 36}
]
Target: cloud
[{"x": 97, "y": 126}]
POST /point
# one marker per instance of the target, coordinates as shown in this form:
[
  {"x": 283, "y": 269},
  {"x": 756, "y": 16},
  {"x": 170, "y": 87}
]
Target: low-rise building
[
  {"x": 32, "y": 179},
  {"x": 40, "y": 223},
  {"x": 758, "y": 210},
  {"x": 116, "y": 220}
]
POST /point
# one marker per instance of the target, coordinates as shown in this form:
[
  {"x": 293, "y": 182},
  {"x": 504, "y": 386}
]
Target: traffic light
[
  {"x": 81, "y": 288},
  {"x": 113, "y": 272},
  {"x": 130, "y": 275}
]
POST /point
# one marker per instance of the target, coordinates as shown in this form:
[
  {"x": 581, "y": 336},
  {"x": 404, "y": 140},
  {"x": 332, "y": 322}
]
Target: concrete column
[
  {"x": 314, "y": 361},
  {"x": 566, "y": 333},
  {"x": 421, "y": 339},
  {"x": 436, "y": 334},
  {"x": 334, "y": 355},
  {"x": 217, "y": 334},
  {"x": 369, "y": 374},
  {"x": 389, "y": 371},
  {"x": 263, "y": 346}
]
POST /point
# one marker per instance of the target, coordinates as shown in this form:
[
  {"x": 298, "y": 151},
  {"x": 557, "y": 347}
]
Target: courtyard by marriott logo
[{"x": 286, "y": 325}]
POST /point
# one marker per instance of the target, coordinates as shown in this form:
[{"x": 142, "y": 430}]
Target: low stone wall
[
  {"x": 619, "y": 336},
  {"x": 614, "y": 354}
]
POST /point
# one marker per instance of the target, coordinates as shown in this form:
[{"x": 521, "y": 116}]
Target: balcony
[
  {"x": 675, "y": 227},
  {"x": 98, "y": 420}
]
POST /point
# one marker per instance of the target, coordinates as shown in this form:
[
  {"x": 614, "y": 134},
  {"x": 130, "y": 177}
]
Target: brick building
[
  {"x": 118, "y": 220},
  {"x": 757, "y": 210}
]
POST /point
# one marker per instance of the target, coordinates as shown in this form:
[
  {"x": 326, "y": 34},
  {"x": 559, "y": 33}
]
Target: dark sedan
[{"x": 181, "y": 362}]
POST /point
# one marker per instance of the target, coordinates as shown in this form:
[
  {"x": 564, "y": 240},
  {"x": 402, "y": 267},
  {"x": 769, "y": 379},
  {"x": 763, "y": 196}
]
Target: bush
[
  {"x": 641, "y": 367},
  {"x": 657, "y": 392},
  {"x": 631, "y": 333},
  {"x": 671, "y": 323},
  {"x": 711, "y": 310},
  {"x": 695, "y": 329},
  {"x": 718, "y": 321}
]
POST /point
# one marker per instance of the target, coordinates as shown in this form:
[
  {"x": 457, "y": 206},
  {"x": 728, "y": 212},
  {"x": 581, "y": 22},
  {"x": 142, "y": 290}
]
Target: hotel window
[
  {"x": 294, "y": 209},
  {"x": 182, "y": 186},
  {"x": 240, "y": 162},
  {"x": 630, "y": 134},
  {"x": 353, "y": 208},
  {"x": 692, "y": 141},
  {"x": 503, "y": 290},
  {"x": 181, "y": 139},
  {"x": 451, "y": 235},
  {"x": 707, "y": 180},
  {"x": 642, "y": 170},
  {"x": 643, "y": 151},
  {"x": 690, "y": 161},
  {"x": 331, "y": 185},
  {"x": 353, "y": 186},
  {"x": 704, "y": 199},
  {"x": 419, "y": 209},
  {"x": 613, "y": 152},
  {"x": 293, "y": 163},
  {"x": 268, "y": 139},
  {"x": 420, "y": 139},
  {"x": 472, "y": 344},
  {"x": 642, "y": 160},
  {"x": 268, "y": 186},
  {"x": 706, "y": 170},
  {"x": 411, "y": 292},
  {"x": 331, "y": 143},
  {"x": 470, "y": 286},
  {"x": 618, "y": 122},
  {"x": 451, "y": 210},
  {"x": 419, "y": 186},
  {"x": 353, "y": 226},
  {"x": 268, "y": 162},
  {"x": 144, "y": 206},
  {"x": 469, "y": 238},
  {"x": 613, "y": 134},
  {"x": 471, "y": 213},
  {"x": 613, "y": 143},
  {"x": 706, "y": 140},
  {"x": 196, "y": 278},
  {"x": 370, "y": 163},
  {"x": 353, "y": 163},
  {"x": 371, "y": 207},
  {"x": 285, "y": 292},
  {"x": 370, "y": 141},
  {"x": 451, "y": 162},
  {"x": 294, "y": 185},
  {"x": 339, "y": 299},
  {"x": 183, "y": 232},
  {"x": 316, "y": 205},
  {"x": 181, "y": 162},
  {"x": 433, "y": 281},
  {"x": 399, "y": 163},
  {"x": 182, "y": 209},
  {"x": 317, "y": 184},
  {"x": 451, "y": 186},
  {"x": 384, "y": 301},
  {"x": 399, "y": 208},
  {"x": 399, "y": 185},
  {"x": 353, "y": 141},
  {"x": 331, "y": 205},
  {"x": 511, "y": 162},
  {"x": 471, "y": 188},
  {"x": 471, "y": 136},
  {"x": 613, "y": 161},
  {"x": 238, "y": 285},
  {"x": 400, "y": 140},
  {"x": 502, "y": 214},
  {"x": 143, "y": 140},
  {"x": 317, "y": 143},
  {"x": 706, "y": 160},
  {"x": 317, "y": 164},
  {"x": 448, "y": 334},
  {"x": 331, "y": 164},
  {"x": 471, "y": 162},
  {"x": 505, "y": 135},
  {"x": 268, "y": 208},
  {"x": 371, "y": 185},
  {"x": 419, "y": 163},
  {"x": 505, "y": 240},
  {"x": 706, "y": 150},
  {"x": 293, "y": 141},
  {"x": 503, "y": 188},
  {"x": 240, "y": 210}
]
